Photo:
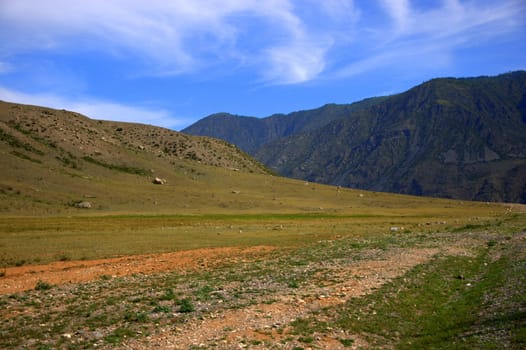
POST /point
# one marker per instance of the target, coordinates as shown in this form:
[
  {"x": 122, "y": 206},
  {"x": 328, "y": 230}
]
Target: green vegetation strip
[
  {"x": 40, "y": 240},
  {"x": 15, "y": 142},
  {"x": 121, "y": 168},
  {"x": 452, "y": 302}
]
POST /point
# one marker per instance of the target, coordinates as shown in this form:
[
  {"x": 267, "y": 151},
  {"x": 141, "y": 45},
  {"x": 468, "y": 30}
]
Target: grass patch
[
  {"x": 186, "y": 306},
  {"x": 15, "y": 142},
  {"x": 121, "y": 168},
  {"x": 119, "y": 335},
  {"x": 347, "y": 342},
  {"x": 431, "y": 307},
  {"x": 24, "y": 156},
  {"x": 41, "y": 285}
]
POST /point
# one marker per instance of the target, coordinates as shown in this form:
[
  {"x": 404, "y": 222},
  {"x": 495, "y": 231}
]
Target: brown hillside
[
  {"x": 79, "y": 136},
  {"x": 53, "y": 159}
]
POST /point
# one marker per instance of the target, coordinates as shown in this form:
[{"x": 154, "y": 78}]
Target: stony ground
[
  {"x": 264, "y": 323},
  {"x": 222, "y": 298}
]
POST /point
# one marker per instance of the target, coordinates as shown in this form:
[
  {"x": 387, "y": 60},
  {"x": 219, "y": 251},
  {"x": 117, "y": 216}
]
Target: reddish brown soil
[{"x": 22, "y": 278}]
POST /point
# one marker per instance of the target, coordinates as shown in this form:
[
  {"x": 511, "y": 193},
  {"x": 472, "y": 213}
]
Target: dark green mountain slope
[
  {"x": 459, "y": 138},
  {"x": 250, "y": 133}
]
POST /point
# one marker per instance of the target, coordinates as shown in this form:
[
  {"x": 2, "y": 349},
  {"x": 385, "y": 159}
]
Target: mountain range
[{"x": 462, "y": 138}]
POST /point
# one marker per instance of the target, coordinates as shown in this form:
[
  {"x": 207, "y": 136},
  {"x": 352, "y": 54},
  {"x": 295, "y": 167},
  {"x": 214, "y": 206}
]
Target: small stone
[
  {"x": 83, "y": 205},
  {"x": 159, "y": 181}
]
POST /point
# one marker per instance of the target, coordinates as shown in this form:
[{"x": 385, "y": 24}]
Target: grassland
[
  {"x": 40, "y": 240},
  {"x": 464, "y": 294}
]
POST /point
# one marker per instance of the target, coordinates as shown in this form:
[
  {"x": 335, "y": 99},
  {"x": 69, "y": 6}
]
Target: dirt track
[
  {"x": 258, "y": 324},
  {"x": 232, "y": 328}
]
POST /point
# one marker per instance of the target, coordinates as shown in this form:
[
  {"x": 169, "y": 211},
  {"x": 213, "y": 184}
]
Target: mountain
[
  {"x": 455, "y": 138},
  {"x": 250, "y": 133}
]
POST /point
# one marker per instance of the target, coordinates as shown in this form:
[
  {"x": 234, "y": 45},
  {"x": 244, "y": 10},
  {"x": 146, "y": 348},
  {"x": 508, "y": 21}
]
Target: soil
[{"x": 18, "y": 279}]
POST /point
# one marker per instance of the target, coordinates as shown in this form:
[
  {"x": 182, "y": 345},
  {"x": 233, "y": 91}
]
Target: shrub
[
  {"x": 41, "y": 285},
  {"x": 186, "y": 306}
]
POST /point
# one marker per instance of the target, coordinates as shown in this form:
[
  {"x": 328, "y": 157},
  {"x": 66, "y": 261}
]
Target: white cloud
[
  {"x": 175, "y": 37},
  {"x": 97, "y": 109}
]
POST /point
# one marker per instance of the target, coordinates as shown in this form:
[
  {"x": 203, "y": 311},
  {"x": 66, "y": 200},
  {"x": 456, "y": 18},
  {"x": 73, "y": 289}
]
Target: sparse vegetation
[
  {"x": 41, "y": 285},
  {"x": 17, "y": 143},
  {"x": 130, "y": 307},
  {"x": 185, "y": 305}
]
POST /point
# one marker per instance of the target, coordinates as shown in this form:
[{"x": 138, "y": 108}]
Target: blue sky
[{"x": 172, "y": 62}]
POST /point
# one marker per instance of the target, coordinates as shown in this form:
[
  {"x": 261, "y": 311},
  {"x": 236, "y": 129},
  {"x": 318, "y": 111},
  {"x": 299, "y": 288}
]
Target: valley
[{"x": 221, "y": 253}]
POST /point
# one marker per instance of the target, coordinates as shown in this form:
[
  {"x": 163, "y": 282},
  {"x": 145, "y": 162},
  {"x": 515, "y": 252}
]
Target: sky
[{"x": 172, "y": 62}]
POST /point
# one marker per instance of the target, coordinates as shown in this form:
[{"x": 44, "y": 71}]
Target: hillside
[
  {"x": 52, "y": 159},
  {"x": 454, "y": 138}
]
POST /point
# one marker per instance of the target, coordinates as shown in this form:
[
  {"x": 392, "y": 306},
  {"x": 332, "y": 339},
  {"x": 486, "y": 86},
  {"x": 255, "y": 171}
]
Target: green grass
[
  {"x": 37, "y": 240},
  {"x": 41, "y": 285}
]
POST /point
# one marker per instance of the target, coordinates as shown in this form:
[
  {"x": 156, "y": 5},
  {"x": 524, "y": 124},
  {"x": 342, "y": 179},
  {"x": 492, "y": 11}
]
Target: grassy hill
[{"x": 52, "y": 160}]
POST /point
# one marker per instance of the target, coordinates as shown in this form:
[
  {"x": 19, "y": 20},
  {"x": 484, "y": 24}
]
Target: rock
[
  {"x": 98, "y": 335},
  {"x": 83, "y": 205},
  {"x": 159, "y": 181}
]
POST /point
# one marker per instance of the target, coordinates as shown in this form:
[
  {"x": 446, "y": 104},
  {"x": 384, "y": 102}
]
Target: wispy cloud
[
  {"x": 399, "y": 11},
  {"x": 97, "y": 109},
  {"x": 176, "y": 37},
  {"x": 417, "y": 37}
]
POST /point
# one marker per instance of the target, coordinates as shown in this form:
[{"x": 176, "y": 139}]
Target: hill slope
[
  {"x": 458, "y": 138},
  {"x": 51, "y": 159}
]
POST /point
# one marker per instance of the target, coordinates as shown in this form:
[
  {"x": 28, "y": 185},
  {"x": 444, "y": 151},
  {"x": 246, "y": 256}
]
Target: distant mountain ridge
[
  {"x": 457, "y": 138},
  {"x": 250, "y": 133}
]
